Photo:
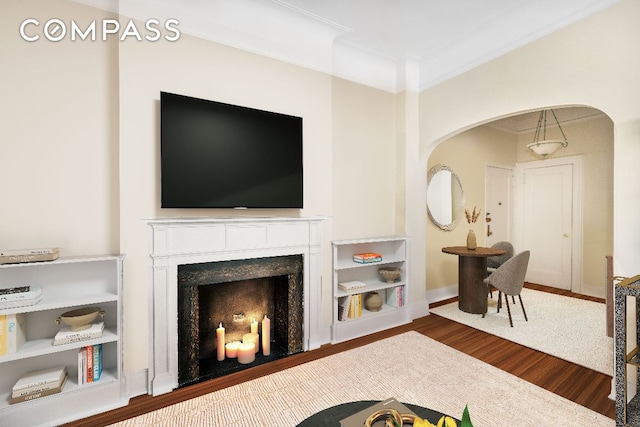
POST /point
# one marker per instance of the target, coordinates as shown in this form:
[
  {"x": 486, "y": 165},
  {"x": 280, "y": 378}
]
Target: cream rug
[
  {"x": 569, "y": 328},
  {"x": 411, "y": 367}
]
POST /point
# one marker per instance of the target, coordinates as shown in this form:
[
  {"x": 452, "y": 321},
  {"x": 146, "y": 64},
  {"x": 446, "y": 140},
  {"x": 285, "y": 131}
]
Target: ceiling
[
  {"x": 389, "y": 44},
  {"x": 527, "y": 122}
]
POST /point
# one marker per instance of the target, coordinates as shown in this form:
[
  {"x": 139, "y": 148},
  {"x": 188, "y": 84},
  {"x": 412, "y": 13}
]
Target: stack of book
[
  {"x": 67, "y": 336},
  {"x": 16, "y": 256},
  {"x": 13, "y": 332},
  {"x": 89, "y": 364},
  {"x": 39, "y": 384},
  {"x": 367, "y": 257},
  {"x": 353, "y": 285},
  {"x": 19, "y": 296}
]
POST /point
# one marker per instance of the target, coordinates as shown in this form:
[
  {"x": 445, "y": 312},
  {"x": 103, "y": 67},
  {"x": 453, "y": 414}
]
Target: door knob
[{"x": 565, "y": 235}]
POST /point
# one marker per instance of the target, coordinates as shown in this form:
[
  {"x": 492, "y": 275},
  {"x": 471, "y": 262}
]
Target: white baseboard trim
[
  {"x": 418, "y": 310},
  {"x": 137, "y": 383},
  {"x": 441, "y": 294}
]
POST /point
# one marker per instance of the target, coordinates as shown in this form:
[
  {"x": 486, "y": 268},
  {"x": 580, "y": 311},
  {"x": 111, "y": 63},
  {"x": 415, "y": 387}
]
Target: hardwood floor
[{"x": 573, "y": 382}]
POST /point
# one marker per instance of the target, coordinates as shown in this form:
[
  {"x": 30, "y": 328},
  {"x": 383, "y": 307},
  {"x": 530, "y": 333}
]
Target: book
[
  {"x": 82, "y": 369},
  {"x": 352, "y": 285},
  {"x": 41, "y": 393},
  {"x": 343, "y": 307},
  {"x": 15, "y": 331},
  {"x": 355, "y": 307},
  {"x": 15, "y": 289},
  {"x": 67, "y": 336},
  {"x": 20, "y": 303},
  {"x": 37, "y": 379},
  {"x": 367, "y": 257},
  {"x": 29, "y": 255},
  {"x": 97, "y": 362},
  {"x": 395, "y": 296},
  {"x": 358, "y": 419},
  {"x": 32, "y": 293},
  {"x": 29, "y": 251},
  {"x": 89, "y": 364},
  {"x": 3, "y": 335}
]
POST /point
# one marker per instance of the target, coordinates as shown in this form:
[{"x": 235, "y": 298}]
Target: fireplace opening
[{"x": 234, "y": 295}]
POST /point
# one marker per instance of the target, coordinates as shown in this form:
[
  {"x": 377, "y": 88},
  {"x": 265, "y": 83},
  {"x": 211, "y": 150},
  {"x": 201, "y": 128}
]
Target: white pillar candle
[
  {"x": 232, "y": 349},
  {"x": 246, "y": 353},
  {"x": 266, "y": 336},
  {"x": 254, "y": 326},
  {"x": 253, "y": 338},
  {"x": 220, "y": 342}
]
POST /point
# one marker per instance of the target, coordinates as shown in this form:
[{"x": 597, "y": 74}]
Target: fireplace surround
[
  {"x": 189, "y": 241},
  {"x": 235, "y": 293}
]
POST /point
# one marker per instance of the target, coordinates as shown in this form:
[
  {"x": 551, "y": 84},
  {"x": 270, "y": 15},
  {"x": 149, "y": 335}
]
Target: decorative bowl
[
  {"x": 80, "y": 319},
  {"x": 389, "y": 274}
]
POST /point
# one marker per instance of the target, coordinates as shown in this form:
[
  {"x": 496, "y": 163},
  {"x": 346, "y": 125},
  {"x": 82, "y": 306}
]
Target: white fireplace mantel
[{"x": 174, "y": 242}]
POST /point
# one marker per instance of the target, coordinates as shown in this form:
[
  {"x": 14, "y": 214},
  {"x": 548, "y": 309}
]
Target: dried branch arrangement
[{"x": 472, "y": 217}]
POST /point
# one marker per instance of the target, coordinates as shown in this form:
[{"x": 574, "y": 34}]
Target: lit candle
[
  {"x": 254, "y": 326},
  {"x": 232, "y": 349},
  {"x": 266, "y": 336},
  {"x": 246, "y": 353},
  {"x": 252, "y": 338},
  {"x": 220, "y": 342}
]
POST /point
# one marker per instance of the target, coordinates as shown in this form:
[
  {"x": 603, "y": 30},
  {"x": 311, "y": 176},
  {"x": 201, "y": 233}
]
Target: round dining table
[{"x": 472, "y": 270}]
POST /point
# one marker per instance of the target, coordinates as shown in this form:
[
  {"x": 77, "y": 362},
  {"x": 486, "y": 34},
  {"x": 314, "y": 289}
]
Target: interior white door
[
  {"x": 547, "y": 224},
  {"x": 498, "y": 204}
]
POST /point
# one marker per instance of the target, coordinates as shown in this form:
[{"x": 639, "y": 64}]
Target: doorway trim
[{"x": 576, "y": 207}]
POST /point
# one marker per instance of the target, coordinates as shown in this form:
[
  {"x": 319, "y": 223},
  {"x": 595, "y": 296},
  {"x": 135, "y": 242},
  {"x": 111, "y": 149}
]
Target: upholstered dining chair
[
  {"x": 508, "y": 279},
  {"x": 493, "y": 262}
]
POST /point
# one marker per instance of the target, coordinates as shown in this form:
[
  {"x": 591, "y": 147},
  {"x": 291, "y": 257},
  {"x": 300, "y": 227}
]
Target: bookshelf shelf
[
  {"x": 393, "y": 251},
  {"x": 67, "y": 283}
]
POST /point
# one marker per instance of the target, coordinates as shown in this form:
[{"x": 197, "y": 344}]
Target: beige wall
[
  {"x": 364, "y": 161},
  {"x": 472, "y": 150},
  {"x": 595, "y": 63},
  {"x": 468, "y": 154},
  {"x": 58, "y": 135}
]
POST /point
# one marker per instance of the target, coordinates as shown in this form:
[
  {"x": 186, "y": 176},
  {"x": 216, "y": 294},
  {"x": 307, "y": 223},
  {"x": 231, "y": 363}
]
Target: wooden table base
[{"x": 473, "y": 292}]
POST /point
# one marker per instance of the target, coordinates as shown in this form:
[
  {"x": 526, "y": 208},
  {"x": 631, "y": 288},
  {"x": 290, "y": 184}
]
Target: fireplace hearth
[{"x": 235, "y": 293}]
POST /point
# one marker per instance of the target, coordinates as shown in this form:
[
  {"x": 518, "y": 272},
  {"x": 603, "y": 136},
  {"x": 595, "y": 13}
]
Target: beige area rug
[
  {"x": 410, "y": 367},
  {"x": 569, "y": 328}
]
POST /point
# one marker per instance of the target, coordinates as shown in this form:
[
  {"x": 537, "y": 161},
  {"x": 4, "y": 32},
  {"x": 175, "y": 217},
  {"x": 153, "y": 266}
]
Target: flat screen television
[{"x": 217, "y": 155}]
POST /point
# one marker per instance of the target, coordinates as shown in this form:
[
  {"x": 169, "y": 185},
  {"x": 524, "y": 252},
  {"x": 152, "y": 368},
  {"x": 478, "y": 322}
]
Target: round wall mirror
[{"x": 445, "y": 198}]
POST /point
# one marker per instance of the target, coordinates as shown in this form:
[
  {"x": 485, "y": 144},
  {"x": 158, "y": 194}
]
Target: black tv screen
[{"x": 217, "y": 155}]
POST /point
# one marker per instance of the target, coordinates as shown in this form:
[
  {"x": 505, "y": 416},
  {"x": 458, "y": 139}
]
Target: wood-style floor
[{"x": 573, "y": 382}]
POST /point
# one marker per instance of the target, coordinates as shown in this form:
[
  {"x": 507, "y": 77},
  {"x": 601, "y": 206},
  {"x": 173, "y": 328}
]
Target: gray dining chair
[
  {"x": 493, "y": 262},
  {"x": 508, "y": 279}
]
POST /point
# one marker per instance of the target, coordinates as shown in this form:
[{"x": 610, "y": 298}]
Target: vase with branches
[{"x": 472, "y": 217}]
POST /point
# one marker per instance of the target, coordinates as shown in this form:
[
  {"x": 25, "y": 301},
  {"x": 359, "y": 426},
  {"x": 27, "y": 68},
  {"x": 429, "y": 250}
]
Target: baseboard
[
  {"x": 418, "y": 310},
  {"x": 137, "y": 383},
  {"x": 441, "y": 294}
]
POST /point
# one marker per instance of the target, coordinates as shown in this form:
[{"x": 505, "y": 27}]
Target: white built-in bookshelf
[
  {"x": 67, "y": 283},
  {"x": 393, "y": 251}
]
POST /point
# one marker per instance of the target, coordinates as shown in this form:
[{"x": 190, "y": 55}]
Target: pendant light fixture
[{"x": 545, "y": 147}]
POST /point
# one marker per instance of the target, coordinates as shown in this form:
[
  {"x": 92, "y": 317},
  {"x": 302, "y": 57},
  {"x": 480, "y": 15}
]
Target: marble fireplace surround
[{"x": 175, "y": 242}]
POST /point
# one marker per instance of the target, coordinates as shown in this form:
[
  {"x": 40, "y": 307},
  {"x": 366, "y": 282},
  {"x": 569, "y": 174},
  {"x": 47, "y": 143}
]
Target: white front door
[
  {"x": 547, "y": 223},
  {"x": 498, "y": 204}
]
